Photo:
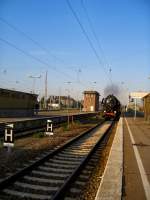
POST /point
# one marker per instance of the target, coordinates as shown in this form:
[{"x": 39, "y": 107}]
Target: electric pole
[{"x": 45, "y": 99}]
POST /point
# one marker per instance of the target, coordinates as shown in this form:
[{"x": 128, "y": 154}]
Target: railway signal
[
  {"x": 49, "y": 128},
  {"x": 9, "y": 137}
]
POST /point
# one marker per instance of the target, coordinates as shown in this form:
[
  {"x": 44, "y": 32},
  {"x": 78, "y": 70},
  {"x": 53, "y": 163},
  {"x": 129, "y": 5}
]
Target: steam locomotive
[{"x": 111, "y": 107}]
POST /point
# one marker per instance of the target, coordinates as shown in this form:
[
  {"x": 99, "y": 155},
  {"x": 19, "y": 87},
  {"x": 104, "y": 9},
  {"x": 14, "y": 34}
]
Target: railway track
[{"x": 52, "y": 176}]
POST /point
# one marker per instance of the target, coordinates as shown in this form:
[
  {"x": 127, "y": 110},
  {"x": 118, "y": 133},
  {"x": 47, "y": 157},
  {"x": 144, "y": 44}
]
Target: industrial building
[
  {"x": 16, "y": 103},
  {"x": 91, "y": 101}
]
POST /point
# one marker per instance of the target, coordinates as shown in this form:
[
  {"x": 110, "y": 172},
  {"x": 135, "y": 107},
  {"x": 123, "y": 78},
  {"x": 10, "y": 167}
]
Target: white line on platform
[{"x": 144, "y": 178}]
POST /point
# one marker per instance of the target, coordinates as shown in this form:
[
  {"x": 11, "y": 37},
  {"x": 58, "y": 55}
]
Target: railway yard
[
  {"x": 74, "y": 100},
  {"x": 89, "y": 158}
]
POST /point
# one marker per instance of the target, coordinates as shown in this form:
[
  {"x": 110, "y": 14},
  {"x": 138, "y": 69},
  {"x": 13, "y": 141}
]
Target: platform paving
[
  {"x": 111, "y": 184},
  {"x": 136, "y": 159},
  {"x": 127, "y": 173},
  {"x": 17, "y": 119}
]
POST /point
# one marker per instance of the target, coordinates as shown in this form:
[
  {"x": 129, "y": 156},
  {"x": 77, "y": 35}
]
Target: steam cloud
[
  {"x": 112, "y": 89},
  {"x": 117, "y": 91}
]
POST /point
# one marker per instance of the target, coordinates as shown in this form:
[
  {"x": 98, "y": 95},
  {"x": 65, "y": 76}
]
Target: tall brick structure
[{"x": 91, "y": 101}]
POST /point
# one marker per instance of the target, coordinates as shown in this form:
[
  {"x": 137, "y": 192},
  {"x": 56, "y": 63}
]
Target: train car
[{"x": 111, "y": 107}]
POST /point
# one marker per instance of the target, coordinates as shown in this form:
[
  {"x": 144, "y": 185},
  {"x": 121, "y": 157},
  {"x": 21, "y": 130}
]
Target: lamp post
[
  {"x": 68, "y": 106},
  {"x": 34, "y": 81},
  {"x": 93, "y": 84},
  {"x": 59, "y": 98},
  {"x": 135, "y": 105},
  {"x": 16, "y": 82},
  {"x": 68, "y": 82}
]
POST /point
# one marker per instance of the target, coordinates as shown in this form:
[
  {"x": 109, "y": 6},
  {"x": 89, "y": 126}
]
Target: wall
[
  {"x": 91, "y": 101},
  {"x": 15, "y": 103},
  {"x": 147, "y": 107}
]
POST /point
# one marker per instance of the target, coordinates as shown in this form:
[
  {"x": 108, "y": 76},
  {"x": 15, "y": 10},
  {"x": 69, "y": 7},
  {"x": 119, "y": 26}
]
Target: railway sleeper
[
  {"x": 65, "y": 166},
  {"x": 67, "y": 171},
  {"x": 42, "y": 180},
  {"x": 64, "y": 161},
  {"x": 60, "y": 157},
  {"x": 19, "y": 195}
]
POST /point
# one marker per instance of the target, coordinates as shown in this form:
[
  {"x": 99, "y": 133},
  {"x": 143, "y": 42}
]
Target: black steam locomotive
[{"x": 111, "y": 107}]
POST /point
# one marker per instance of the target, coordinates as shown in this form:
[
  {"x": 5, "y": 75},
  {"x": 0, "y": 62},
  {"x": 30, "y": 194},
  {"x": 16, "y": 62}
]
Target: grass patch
[
  {"x": 71, "y": 125},
  {"x": 77, "y": 122},
  {"x": 38, "y": 135},
  {"x": 65, "y": 127},
  {"x": 93, "y": 120}
]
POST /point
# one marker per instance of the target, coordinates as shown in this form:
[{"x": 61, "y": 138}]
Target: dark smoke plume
[
  {"x": 112, "y": 89},
  {"x": 117, "y": 91}
]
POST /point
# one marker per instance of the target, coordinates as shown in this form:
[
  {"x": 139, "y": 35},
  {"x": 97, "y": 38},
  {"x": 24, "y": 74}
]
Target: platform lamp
[
  {"x": 17, "y": 82},
  {"x": 68, "y": 106},
  {"x": 68, "y": 90},
  {"x": 34, "y": 81},
  {"x": 92, "y": 85}
]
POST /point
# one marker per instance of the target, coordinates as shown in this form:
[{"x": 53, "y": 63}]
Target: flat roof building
[
  {"x": 91, "y": 101},
  {"x": 16, "y": 103}
]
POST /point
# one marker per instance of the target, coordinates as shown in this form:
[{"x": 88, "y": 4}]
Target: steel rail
[
  {"x": 61, "y": 192},
  {"x": 11, "y": 179}
]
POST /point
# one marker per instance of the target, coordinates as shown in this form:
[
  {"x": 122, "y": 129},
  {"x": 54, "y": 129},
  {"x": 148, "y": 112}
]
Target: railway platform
[
  {"x": 42, "y": 115},
  {"x": 136, "y": 181},
  {"x": 129, "y": 160},
  {"x": 27, "y": 125}
]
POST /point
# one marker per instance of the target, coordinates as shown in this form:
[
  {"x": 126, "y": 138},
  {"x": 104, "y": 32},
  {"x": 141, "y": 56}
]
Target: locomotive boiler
[{"x": 111, "y": 107}]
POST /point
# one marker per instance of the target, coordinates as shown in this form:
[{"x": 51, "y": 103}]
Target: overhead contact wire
[
  {"x": 36, "y": 43},
  {"x": 31, "y": 56},
  {"x": 86, "y": 35},
  {"x": 94, "y": 33}
]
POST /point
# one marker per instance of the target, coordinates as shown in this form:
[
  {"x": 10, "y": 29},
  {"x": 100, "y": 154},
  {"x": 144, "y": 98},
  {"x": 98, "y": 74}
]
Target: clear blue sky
[{"x": 123, "y": 30}]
